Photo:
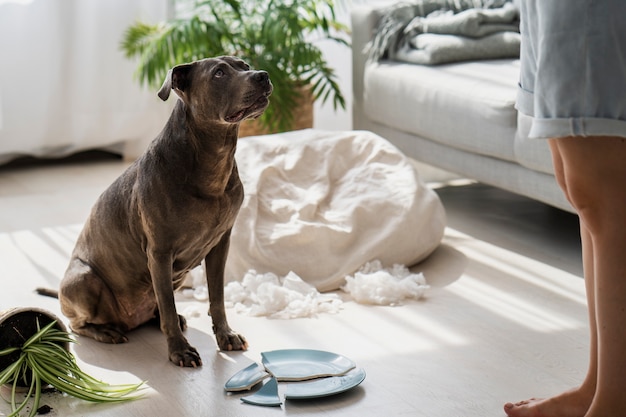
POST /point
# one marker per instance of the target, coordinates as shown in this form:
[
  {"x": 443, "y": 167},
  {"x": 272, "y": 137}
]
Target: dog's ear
[
  {"x": 164, "y": 91},
  {"x": 177, "y": 79}
]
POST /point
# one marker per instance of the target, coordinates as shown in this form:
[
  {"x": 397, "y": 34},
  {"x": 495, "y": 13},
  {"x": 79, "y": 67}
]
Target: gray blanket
[{"x": 440, "y": 31}]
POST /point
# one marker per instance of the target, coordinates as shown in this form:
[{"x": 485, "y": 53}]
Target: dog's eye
[{"x": 219, "y": 73}]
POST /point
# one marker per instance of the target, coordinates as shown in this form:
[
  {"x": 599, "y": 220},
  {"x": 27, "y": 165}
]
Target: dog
[{"x": 171, "y": 209}]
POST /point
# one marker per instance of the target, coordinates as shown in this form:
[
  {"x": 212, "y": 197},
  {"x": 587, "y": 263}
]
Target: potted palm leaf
[
  {"x": 34, "y": 354},
  {"x": 279, "y": 36}
]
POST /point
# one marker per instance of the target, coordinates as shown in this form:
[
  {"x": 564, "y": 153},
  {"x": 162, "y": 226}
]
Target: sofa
[{"x": 459, "y": 117}]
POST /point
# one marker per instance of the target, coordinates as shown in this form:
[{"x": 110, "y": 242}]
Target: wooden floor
[{"x": 504, "y": 319}]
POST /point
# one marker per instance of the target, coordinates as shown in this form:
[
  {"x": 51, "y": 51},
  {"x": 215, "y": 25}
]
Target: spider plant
[
  {"x": 43, "y": 360},
  {"x": 279, "y": 36}
]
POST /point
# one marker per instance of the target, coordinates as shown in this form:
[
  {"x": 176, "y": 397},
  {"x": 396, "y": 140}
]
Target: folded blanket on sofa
[
  {"x": 474, "y": 23},
  {"x": 440, "y": 31},
  {"x": 433, "y": 49}
]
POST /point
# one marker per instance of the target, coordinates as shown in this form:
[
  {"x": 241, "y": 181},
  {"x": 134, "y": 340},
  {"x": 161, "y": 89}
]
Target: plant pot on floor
[
  {"x": 17, "y": 325},
  {"x": 34, "y": 352}
]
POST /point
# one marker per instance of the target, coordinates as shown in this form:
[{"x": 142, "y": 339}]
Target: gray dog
[{"x": 172, "y": 208}]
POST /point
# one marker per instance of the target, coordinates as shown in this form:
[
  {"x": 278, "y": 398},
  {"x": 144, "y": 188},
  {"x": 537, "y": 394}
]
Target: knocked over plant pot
[
  {"x": 17, "y": 325},
  {"x": 34, "y": 352}
]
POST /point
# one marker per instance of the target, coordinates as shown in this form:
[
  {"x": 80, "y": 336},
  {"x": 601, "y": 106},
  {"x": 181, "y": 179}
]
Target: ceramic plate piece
[
  {"x": 304, "y": 364},
  {"x": 246, "y": 378},
  {"x": 266, "y": 396},
  {"x": 324, "y": 386}
]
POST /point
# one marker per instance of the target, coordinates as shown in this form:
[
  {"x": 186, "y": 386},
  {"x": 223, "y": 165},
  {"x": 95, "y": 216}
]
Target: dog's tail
[{"x": 47, "y": 292}]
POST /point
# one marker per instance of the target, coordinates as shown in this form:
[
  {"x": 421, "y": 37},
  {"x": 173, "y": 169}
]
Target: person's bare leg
[
  {"x": 601, "y": 202},
  {"x": 575, "y": 402},
  {"x": 593, "y": 177}
]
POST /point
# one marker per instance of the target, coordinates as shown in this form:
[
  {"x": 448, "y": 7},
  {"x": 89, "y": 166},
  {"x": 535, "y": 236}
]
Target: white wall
[{"x": 340, "y": 58}]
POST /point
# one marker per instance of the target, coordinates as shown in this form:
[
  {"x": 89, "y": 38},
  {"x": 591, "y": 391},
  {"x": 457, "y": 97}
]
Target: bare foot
[{"x": 569, "y": 404}]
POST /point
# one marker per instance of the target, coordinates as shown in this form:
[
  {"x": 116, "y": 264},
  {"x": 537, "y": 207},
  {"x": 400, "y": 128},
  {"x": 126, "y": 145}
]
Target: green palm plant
[{"x": 279, "y": 36}]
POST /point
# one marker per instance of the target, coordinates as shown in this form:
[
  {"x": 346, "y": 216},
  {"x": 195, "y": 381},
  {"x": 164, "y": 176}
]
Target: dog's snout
[{"x": 261, "y": 77}]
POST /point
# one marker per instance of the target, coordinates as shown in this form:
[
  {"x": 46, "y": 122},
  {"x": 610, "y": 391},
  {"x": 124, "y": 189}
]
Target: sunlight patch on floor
[
  {"x": 491, "y": 269},
  {"x": 38, "y": 252},
  {"x": 391, "y": 329},
  {"x": 435, "y": 329},
  {"x": 527, "y": 314},
  {"x": 532, "y": 272}
]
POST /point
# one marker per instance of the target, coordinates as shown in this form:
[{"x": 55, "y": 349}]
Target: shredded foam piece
[
  {"x": 373, "y": 284},
  {"x": 194, "y": 311},
  {"x": 283, "y": 298},
  {"x": 289, "y": 297}
]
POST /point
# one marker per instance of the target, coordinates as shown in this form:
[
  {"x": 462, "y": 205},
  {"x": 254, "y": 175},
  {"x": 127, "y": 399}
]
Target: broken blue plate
[
  {"x": 304, "y": 364},
  {"x": 266, "y": 396}
]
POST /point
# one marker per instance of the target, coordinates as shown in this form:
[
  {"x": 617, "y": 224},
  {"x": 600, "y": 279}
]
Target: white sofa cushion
[{"x": 468, "y": 105}]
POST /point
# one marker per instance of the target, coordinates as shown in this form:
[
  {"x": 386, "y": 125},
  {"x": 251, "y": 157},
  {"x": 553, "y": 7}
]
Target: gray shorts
[{"x": 573, "y": 72}]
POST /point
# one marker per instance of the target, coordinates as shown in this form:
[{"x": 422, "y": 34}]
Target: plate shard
[
  {"x": 267, "y": 396},
  {"x": 246, "y": 378}
]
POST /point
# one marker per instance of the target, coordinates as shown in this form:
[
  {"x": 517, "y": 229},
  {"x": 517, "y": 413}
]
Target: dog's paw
[
  {"x": 102, "y": 333},
  {"x": 113, "y": 336},
  {"x": 186, "y": 356},
  {"x": 230, "y": 340}
]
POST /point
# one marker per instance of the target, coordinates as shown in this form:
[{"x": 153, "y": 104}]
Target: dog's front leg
[
  {"x": 179, "y": 350},
  {"x": 215, "y": 263}
]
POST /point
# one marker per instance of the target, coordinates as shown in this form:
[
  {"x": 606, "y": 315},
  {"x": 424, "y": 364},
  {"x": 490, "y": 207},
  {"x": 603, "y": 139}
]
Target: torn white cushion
[{"x": 322, "y": 204}]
